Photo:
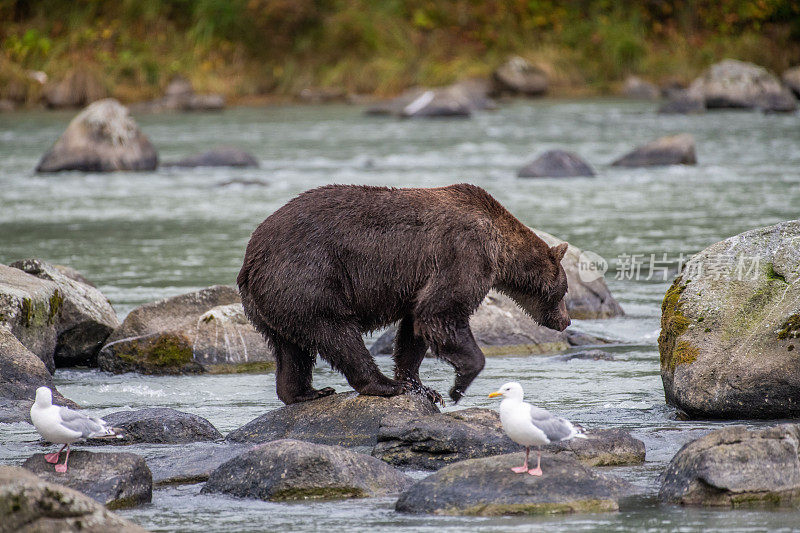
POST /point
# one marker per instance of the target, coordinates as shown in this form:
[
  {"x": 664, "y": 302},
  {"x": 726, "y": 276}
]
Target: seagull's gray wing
[
  {"x": 79, "y": 422},
  {"x": 554, "y": 428}
]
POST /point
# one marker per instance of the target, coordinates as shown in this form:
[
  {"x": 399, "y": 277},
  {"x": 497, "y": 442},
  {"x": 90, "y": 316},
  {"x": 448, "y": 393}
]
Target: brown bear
[{"x": 342, "y": 260}]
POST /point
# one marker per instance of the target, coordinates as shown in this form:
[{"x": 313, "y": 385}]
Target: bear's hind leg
[
  {"x": 409, "y": 351},
  {"x": 460, "y": 350},
  {"x": 294, "y": 366},
  {"x": 344, "y": 349}
]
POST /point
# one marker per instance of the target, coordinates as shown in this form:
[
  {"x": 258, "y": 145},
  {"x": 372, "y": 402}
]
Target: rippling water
[{"x": 143, "y": 236}]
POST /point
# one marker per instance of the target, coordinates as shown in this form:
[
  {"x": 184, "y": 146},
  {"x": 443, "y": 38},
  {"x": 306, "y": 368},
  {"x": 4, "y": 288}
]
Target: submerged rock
[
  {"x": 117, "y": 480},
  {"x": 31, "y": 504},
  {"x": 344, "y": 419},
  {"x": 101, "y": 138},
  {"x": 556, "y": 164},
  {"x": 487, "y": 487},
  {"x": 21, "y": 373},
  {"x": 637, "y": 88},
  {"x": 683, "y": 102},
  {"x": 730, "y": 328},
  {"x": 584, "y": 355},
  {"x": 160, "y": 425},
  {"x": 737, "y": 84},
  {"x": 85, "y": 317},
  {"x": 518, "y": 77},
  {"x": 735, "y": 467},
  {"x": 670, "y": 150},
  {"x": 203, "y": 331},
  {"x": 217, "y": 157},
  {"x": 191, "y": 463},
  {"x": 294, "y": 470},
  {"x": 434, "y": 441}
]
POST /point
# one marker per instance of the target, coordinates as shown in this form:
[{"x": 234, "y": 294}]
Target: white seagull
[
  {"x": 61, "y": 425},
  {"x": 529, "y": 426}
]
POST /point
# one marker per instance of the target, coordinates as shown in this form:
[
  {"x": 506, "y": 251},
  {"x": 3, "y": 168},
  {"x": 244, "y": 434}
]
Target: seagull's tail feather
[
  {"x": 107, "y": 432},
  {"x": 579, "y": 432}
]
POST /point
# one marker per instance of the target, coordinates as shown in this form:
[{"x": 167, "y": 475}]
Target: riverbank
[{"x": 262, "y": 51}]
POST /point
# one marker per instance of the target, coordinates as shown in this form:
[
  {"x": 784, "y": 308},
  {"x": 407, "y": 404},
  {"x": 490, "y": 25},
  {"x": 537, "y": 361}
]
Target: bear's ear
[{"x": 559, "y": 251}]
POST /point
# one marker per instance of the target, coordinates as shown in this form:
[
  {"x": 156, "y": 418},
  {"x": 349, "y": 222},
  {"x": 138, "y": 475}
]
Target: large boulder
[
  {"x": 556, "y": 164},
  {"x": 487, "y": 487},
  {"x": 730, "y": 328},
  {"x": 21, "y": 373},
  {"x": 117, "y": 480},
  {"x": 791, "y": 77},
  {"x": 101, "y": 138},
  {"x": 80, "y": 87},
  {"x": 518, "y": 77},
  {"x": 160, "y": 425},
  {"x": 737, "y": 84},
  {"x": 345, "y": 419},
  {"x": 225, "y": 156},
  {"x": 203, "y": 331},
  {"x": 294, "y": 470},
  {"x": 29, "y": 309},
  {"x": 29, "y": 504},
  {"x": 735, "y": 467},
  {"x": 85, "y": 318},
  {"x": 639, "y": 89},
  {"x": 670, "y": 150},
  {"x": 434, "y": 441}
]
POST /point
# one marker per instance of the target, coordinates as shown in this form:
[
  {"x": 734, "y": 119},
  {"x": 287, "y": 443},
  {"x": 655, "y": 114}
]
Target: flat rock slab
[
  {"x": 434, "y": 441},
  {"x": 670, "y": 150},
  {"x": 31, "y": 504},
  {"x": 344, "y": 419},
  {"x": 217, "y": 157},
  {"x": 192, "y": 463},
  {"x": 160, "y": 425},
  {"x": 117, "y": 480},
  {"x": 487, "y": 487},
  {"x": 294, "y": 470},
  {"x": 736, "y": 467}
]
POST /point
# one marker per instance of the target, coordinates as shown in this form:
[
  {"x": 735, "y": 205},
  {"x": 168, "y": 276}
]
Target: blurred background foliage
[{"x": 256, "y": 47}]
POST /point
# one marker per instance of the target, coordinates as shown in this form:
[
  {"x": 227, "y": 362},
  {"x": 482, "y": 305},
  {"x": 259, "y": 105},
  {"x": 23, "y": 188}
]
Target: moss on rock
[{"x": 790, "y": 329}]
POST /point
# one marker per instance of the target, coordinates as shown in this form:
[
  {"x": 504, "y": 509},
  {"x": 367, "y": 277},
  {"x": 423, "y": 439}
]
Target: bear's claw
[{"x": 418, "y": 388}]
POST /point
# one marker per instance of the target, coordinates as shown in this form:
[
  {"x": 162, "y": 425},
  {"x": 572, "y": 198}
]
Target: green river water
[{"x": 144, "y": 236}]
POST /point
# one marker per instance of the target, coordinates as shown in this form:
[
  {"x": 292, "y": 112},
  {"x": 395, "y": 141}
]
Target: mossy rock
[
  {"x": 730, "y": 324},
  {"x": 155, "y": 354}
]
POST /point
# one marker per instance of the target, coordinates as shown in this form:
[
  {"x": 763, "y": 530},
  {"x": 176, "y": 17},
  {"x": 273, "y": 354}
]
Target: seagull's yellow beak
[{"x": 495, "y": 394}]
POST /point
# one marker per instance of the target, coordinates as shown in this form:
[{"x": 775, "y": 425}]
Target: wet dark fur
[{"x": 340, "y": 260}]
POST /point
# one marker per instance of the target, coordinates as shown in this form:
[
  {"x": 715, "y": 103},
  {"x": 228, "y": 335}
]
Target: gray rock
[
  {"x": 730, "y": 328},
  {"x": 217, "y": 157},
  {"x": 518, "y": 77},
  {"x": 101, "y": 138},
  {"x": 30, "y": 504},
  {"x": 203, "y": 331},
  {"x": 191, "y": 463},
  {"x": 670, "y": 150},
  {"x": 322, "y": 95},
  {"x": 791, "y": 78},
  {"x": 736, "y": 467},
  {"x": 434, "y": 441},
  {"x": 21, "y": 373},
  {"x": 637, "y": 88},
  {"x": 160, "y": 425},
  {"x": 556, "y": 164},
  {"x": 294, "y": 470},
  {"x": 584, "y": 355},
  {"x": 683, "y": 103},
  {"x": 29, "y": 309},
  {"x": 85, "y": 318},
  {"x": 78, "y": 88},
  {"x": 345, "y": 419},
  {"x": 117, "y": 480},
  {"x": 7, "y": 106},
  {"x": 737, "y": 84},
  {"x": 180, "y": 96},
  {"x": 487, "y": 487}
]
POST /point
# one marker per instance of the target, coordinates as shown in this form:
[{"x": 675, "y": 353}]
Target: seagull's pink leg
[
  {"x": 538, "y": 470},
  {"x": 63, "y": 468},
  {"x": 523, "y": 468},
  {"x": 52, "y": 458}
]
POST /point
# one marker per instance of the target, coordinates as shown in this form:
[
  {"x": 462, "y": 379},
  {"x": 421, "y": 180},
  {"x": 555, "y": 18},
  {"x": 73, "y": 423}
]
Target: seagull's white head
[
  {"x": 510, "y": 391},
  {"x": 44, "y": 397}
]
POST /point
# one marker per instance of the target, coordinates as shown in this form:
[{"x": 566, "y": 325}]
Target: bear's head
[{"x": 553, "y": 307}]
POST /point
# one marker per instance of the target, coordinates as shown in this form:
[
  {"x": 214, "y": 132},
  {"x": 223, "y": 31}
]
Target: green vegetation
[
  {"x": 131, "y": 48},
  {"x": 790, "y": 329},
  {"x": 163, "y": 352}
]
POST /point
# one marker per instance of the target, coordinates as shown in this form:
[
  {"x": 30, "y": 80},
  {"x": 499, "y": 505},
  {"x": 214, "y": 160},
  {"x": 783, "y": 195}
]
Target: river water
[{"x": 144, "y": 236}]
